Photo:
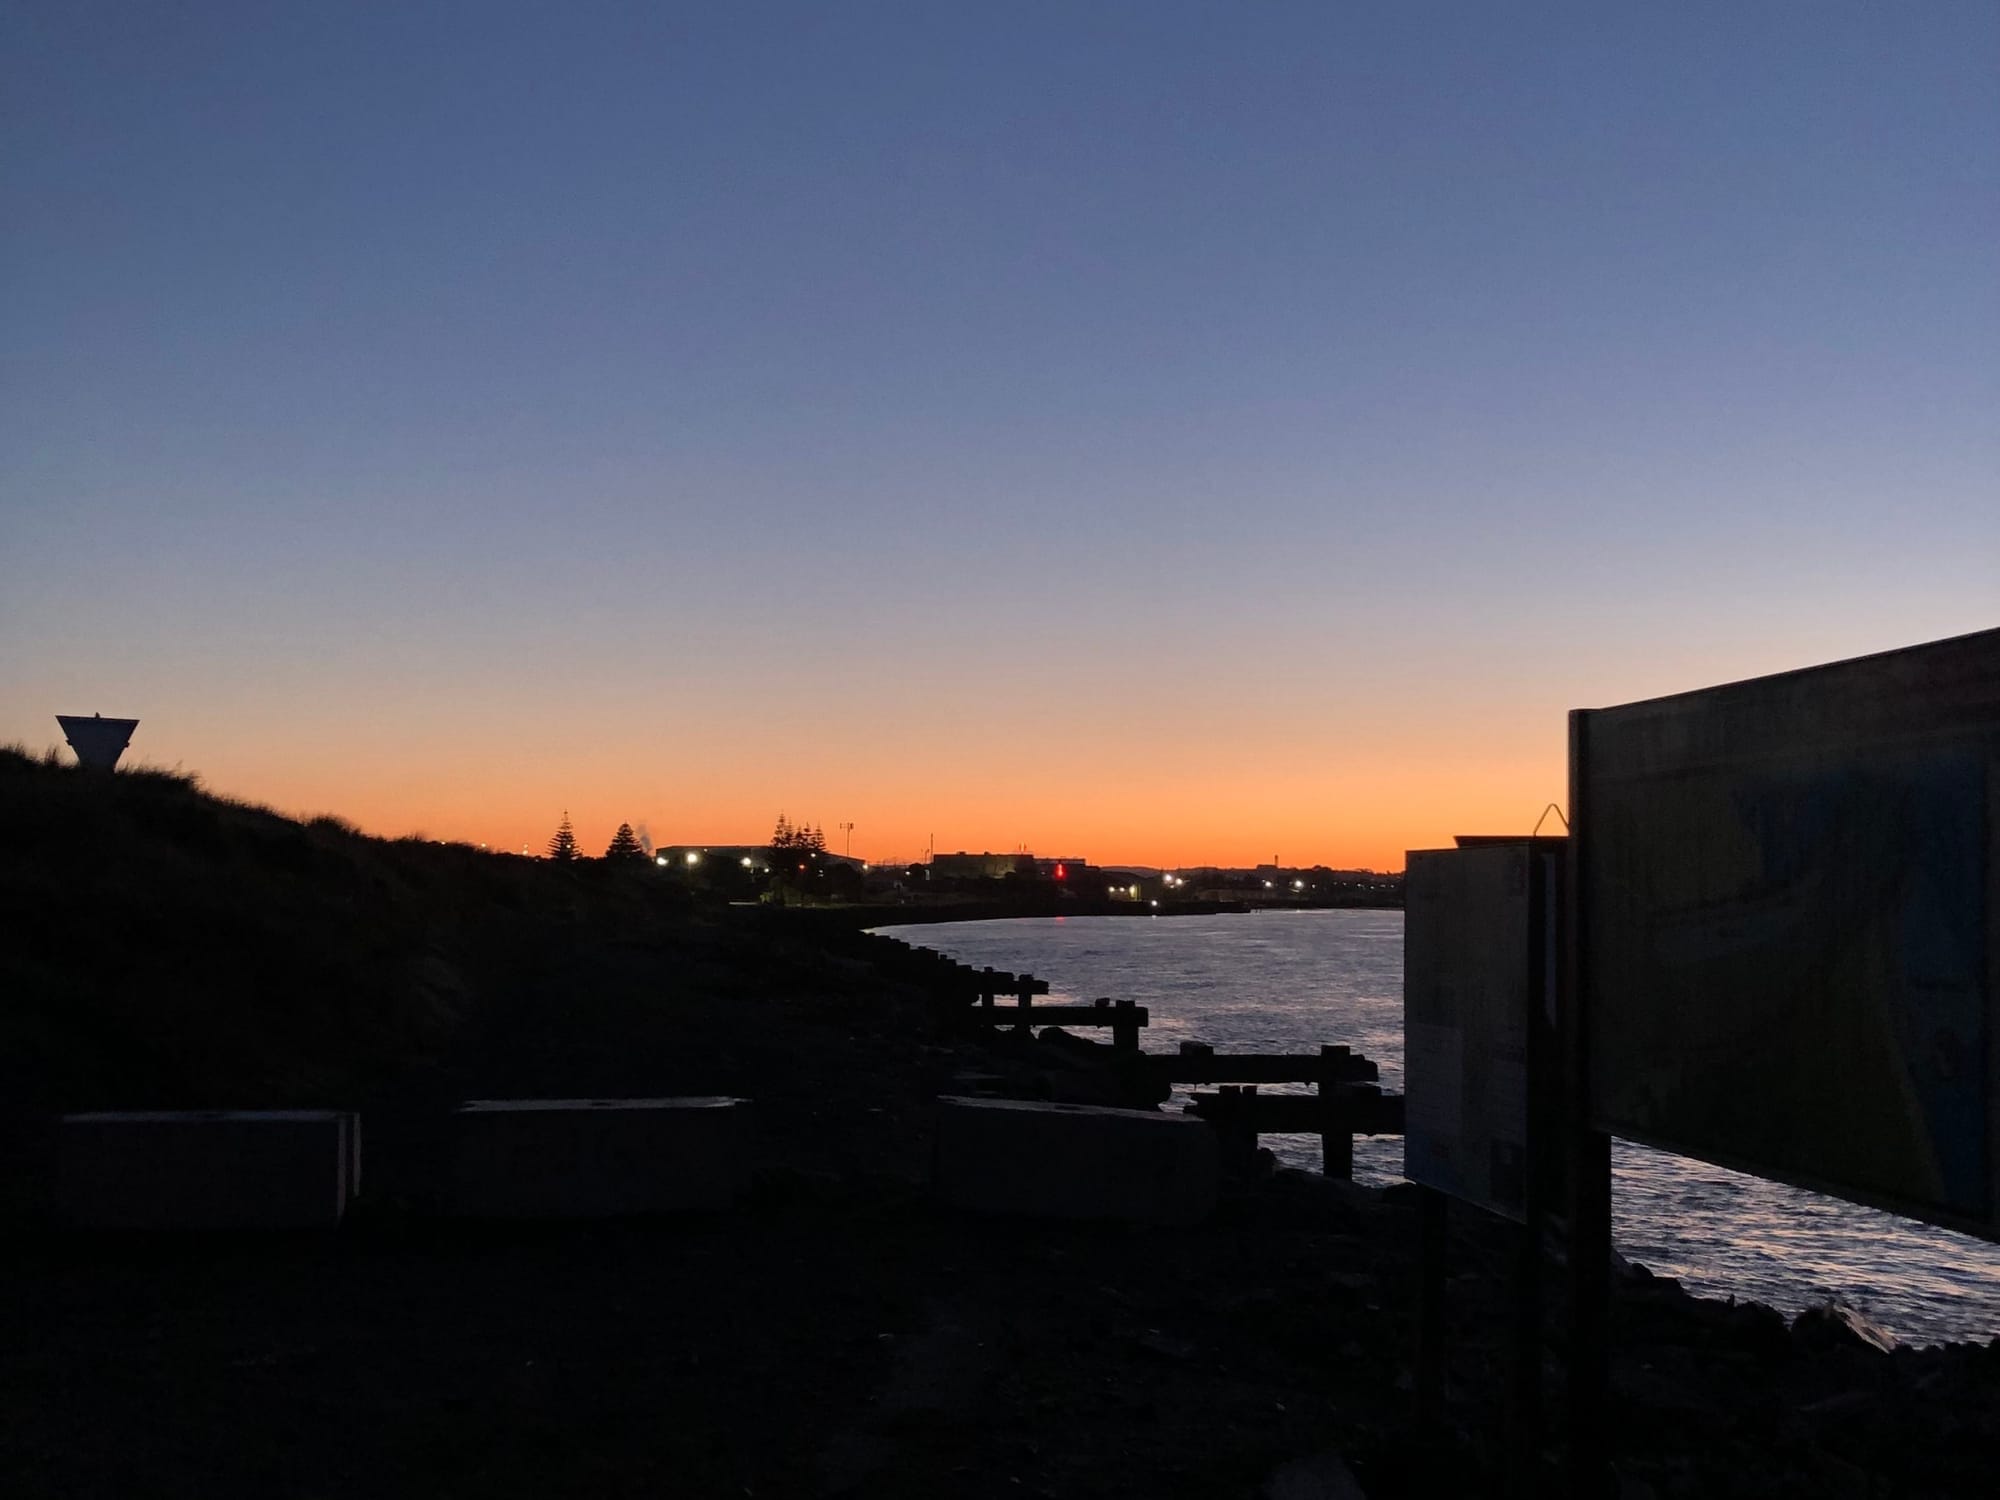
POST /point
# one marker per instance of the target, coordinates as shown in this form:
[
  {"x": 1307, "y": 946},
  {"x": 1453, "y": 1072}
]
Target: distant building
[
  {"x": 964, "y": 866},
  {"x": 753, "y": 857},
  {"x": 1066, "y": 871}
]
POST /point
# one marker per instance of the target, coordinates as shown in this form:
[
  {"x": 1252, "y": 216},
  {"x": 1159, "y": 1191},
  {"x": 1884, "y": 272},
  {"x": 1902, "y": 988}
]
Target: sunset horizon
[
  {"x": 769, "y": 709},
  {"x": 1168, "y": 437},
  {"x": 1358, "y": 811}
]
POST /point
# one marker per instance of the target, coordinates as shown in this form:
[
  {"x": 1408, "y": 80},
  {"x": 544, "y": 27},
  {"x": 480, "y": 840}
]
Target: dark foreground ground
[
  {"x": 841, "y": 1336},
  {"x": 838, "y": 1335}
]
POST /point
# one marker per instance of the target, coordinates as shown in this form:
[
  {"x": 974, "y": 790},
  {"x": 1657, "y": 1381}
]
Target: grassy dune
[
  {"x": 169, "y": 948},
  {"x": 172, "y": 948}
]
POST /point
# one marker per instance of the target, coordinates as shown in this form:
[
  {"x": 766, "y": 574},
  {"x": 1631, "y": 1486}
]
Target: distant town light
[
  {"x": 694, "y": 856},
  {"x": 746, "y": 861},
  {"x": 659, "y": 859}
]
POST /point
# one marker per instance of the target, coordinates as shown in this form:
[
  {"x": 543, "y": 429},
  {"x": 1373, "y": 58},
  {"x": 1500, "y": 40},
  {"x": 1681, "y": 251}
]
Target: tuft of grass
[{"x": 173, "y": 776}]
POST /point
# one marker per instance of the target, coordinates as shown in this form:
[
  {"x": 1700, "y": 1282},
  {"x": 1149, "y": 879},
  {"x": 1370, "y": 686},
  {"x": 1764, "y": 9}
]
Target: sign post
[{"x": 1482, "y": 1121}]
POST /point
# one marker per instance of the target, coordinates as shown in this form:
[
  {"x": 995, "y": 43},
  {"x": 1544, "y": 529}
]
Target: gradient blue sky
[{"x": 1157, "y": 432}]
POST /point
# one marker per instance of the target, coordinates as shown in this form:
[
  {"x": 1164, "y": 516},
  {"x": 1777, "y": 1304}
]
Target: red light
[{"x": 1061, "y": 873}]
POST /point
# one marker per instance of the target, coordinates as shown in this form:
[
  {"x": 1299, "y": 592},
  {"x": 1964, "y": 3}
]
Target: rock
[
  {"x": 1836, "y": 1479},
  {"x": 1673, "y": 1387},
  {"x": 1755, "y": 1327},
  {"x": 1082, "y": 1051},
  {"x": 1833, "y": 1325},
  {"x": 1166, "y": 1346},
  {"x": 1839, "y": 1407},
  {"x": 1323, "y": 1476},
  {"x": 1073, "y": 1161},
  {"x": 783, "y": 1186}
]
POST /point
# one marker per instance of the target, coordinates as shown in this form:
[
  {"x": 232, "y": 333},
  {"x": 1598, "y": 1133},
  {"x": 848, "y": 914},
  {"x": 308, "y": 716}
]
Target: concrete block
[
  {"x": 1073, "y": 1161},
  {"x": 207, "y": 1169},
  {"x": 596, "y": 1158}
]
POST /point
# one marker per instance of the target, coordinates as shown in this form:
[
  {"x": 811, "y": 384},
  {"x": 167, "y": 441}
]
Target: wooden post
[
  {"x": 1125, "y": 1026},
  {"x": 1336, "y": 1135},
  {"x": 1024, "y": 994},
  {"x": 1336, "y": 1149},
  {"x": 1236, "y": 1124}
]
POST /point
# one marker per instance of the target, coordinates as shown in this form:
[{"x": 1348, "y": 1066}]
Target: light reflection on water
[{"x": 1288, "y": 981}]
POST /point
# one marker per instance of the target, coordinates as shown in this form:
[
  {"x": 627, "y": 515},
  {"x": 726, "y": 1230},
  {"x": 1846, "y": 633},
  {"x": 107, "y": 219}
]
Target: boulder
[
  {"x": 207, "y": 1169},
  {"x": 1073, "y": 1161}
]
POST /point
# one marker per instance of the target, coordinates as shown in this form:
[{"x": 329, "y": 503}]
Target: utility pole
[{"x": 848, "y": 829}]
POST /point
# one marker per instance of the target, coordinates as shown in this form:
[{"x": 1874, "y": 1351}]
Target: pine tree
[
  {"x": 563, "y": 845},
  {"x": 782, "y": 835},
  {"x": 625, "y": 845},
  {"x": 814, "y": 840}
]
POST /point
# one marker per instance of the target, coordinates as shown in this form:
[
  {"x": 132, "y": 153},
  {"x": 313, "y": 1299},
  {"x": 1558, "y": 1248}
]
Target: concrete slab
[
  {"x": 1073, "y": 1161},
  {"x": 597, "y": 1158},
  {"x": 207, "y": 1169}
]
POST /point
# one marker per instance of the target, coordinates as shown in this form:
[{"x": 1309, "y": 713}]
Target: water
[{"x": 1288, "y": 981}]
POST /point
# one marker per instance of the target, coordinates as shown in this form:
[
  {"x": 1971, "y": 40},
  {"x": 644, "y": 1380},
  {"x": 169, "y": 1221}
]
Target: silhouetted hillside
[{"x": 172, "y": 948}]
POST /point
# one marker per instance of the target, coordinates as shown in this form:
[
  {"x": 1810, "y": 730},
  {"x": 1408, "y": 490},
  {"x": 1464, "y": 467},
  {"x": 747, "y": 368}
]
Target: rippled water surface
[{"x": 1288, "y": 981}]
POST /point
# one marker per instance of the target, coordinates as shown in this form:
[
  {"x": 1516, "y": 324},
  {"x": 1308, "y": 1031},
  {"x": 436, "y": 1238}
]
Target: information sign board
[{"x": 1787, "y": 943}]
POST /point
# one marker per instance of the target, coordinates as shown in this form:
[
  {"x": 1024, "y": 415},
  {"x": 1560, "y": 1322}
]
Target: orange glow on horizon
[
  {"x": 1351, "y": 813},
  {"x": 1347, "y": 764}
]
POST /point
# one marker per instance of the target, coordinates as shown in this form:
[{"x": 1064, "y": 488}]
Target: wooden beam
[
  {"x": 1262, "y": 1067},
  {"x": 1356, "y": 1108},
  {"x": 1061, "y": 1015}
]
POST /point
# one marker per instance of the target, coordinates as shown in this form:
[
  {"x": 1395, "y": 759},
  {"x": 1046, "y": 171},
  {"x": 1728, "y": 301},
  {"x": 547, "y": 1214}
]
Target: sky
[{"x": 1158, "y": 433}]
